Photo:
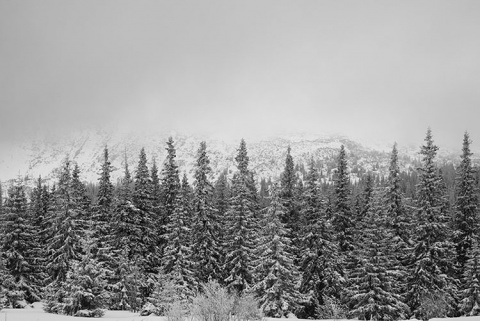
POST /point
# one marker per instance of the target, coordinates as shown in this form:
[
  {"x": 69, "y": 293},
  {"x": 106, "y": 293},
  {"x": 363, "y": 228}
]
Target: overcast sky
[{"x": 368, "y": 69}]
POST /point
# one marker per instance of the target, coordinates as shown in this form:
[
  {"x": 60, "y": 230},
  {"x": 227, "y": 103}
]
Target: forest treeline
[{"x": 383, "y": 249}]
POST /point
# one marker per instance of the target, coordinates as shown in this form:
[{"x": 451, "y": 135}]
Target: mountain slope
[{"x": 43, "y": 156}]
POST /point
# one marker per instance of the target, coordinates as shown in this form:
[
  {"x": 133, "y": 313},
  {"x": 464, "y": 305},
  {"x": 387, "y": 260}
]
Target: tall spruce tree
[
  {"x": 19, "y": 248},
  {"x": 222, "y": 202},
  {"x": 430, "y": 271},
  {"x": 65, "y": 228},
  {"x": 396, "y": 213},
  {"x": 147, "y": 249},
  {"x": 157, "y": 206},
  {"x": 85, "y": 284},
  {"x": 169, "y": 188},
  {"x": 38, "y": 212},
  {"x": 241, "y": 226},
  {"x": 104, "y": 203},
  {"x": 375, "y": 288},
  {"x": 466, "y": 206},
  {"x": 128, "y": 247},
  {"x": 206, "y": 247},
  {"x": 177, "y": 269},
  {"x": 277, "y": 275},
  {"x": 320, "y": 264},
  {"x": 343, "y": 222},
  {"x": 470, "y": 289},
  {"x": 80, "y": 200},
  {"x": 288, "y": 182}
]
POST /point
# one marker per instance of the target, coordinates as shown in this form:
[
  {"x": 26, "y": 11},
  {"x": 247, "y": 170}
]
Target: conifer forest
[{"x": 295, "y": 246}]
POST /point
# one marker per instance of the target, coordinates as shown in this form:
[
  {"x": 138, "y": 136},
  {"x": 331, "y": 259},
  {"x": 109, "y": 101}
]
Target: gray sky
[{"x": 368, "y": 69}]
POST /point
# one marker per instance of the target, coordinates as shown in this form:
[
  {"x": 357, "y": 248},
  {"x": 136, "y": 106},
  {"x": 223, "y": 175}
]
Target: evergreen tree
[
  {"x": 320, "y": 265},
  {"x": 470, "y": 296},
  {"x": 374, "y": 291},
  {"x": 84, "y": 287},
  {"x": 104, "y": 202},
  {"x": 65, "y": 227},
  {"x": 366, "y": 197},
  {"x": 205, "y": 247},
  {"x": 288, "y": 181},
  {"x": 342, "y": 215},
  {"x": 396, "y": 214},
  {"x": 125, "y": 288},
  {"x": 170, "y": 187},
  {"x": 142, "y": 192},
  {"x": 38, "y": 212},
  {"x": 80, "y": 200},
  {"x": 170, "y": 181},
  {"x": 177, "y": 267},
  {"x": 128, "y": 247},
  {"x": 430, "y": 269},
  {"x": 19, "y": 248},
  {"x": 277, "y": 274},
  {"x": 156, "y": 195},
  {"x": 147, "y": 250},
  {"x": 241, "y": 226},
  {"x": 6, "y": 282},
  {"x": 126, "y": 233},
  {"x": 222, "y": 202},
  {"x": 466, "y": 206}
]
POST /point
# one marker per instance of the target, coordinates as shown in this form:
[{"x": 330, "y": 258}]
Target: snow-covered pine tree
[
  {"x": 6, "y": 280},
  {"x": 177, "y": 269},
  {"x": 38, "y": 213},
  {"x": 103, "y": 208},
  {"x": 80, "y": 200},
  {"x": 374, "y": 289},
  {"x": 157, "y": 206},
  {"x": 126, "y": 232},
  {"x": 64, "y": 228},
  {"x": 148, "y": 251},
  {"x": 205, "y": 225},
  {"x": 170, "y": 186},
  {"x": 466, "y": 206},
  {"x": 470, "y": 289},
  {"x": 430, "y": 270},
  {"x": 343, "y": 222},
  {"x": 288, "y": 180},
  {"x": 320, "y": 264},
  {"x": 276, "y": 274},
  {"x": 84, "y": 288},
  {"x": 101, "y": 219},
  {"x": 222, "y": 202},
  {"x": 365, "y": 198},
  {"x": 397, "y": 218},
  {"x": 19, "y": 248},
  {"x": 124, "y": 291},
  {"x": 126, "y": 245},
  {"x": 241, "y": 227}
]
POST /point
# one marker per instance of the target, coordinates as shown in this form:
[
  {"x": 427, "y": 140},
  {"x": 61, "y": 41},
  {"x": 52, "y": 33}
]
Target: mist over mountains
[{"x": 44, "y": 155}]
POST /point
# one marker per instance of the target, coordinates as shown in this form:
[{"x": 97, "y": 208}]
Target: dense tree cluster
[{"x": 405, "y": 245}]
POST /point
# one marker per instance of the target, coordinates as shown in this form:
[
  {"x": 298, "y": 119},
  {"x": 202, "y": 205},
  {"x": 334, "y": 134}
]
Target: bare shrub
[
  {"x": 246, "y": 309},
  {"x": 176, "y": 312},
  {"x": 215, "y": 303},
  {"x": 433, "y": 305}
]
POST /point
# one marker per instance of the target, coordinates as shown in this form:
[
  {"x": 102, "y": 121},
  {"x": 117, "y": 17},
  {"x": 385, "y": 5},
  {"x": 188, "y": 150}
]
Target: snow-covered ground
[{"x": 36, "y": 313}]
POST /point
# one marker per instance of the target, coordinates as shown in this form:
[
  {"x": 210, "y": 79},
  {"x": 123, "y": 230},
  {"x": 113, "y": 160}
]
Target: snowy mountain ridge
[{"x": 43, "y": 156}]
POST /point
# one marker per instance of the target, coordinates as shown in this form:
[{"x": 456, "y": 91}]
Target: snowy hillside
[{"x": 43, "y": 156}]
